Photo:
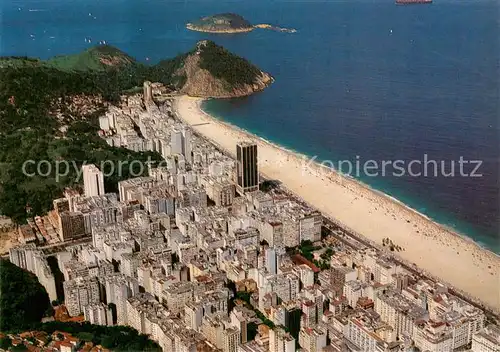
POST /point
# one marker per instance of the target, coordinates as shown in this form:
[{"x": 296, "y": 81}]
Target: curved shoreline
[
  {"x": 435, "y": 249},
  {"x": 452, "y": 230},
  {"x": 358, "y": 182}
]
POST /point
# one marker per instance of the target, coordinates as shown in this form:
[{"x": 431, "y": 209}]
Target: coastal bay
[
  {"x": 442, "y": 253},
  {"x": 390, "y": 82},
  {"x": 154, "y": 130}
]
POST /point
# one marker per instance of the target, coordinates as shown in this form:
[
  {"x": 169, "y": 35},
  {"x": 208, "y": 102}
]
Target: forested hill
[
  {"x": 102, "y": 69},
  {"x": 38, "y": 120},
  {"x": 97, "y": 58},
  {"x": 213, "y": 71},
  {"x": 107, "y": 70}
]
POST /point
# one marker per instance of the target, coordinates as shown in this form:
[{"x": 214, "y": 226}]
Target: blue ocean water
[{"x": 360, "y": 78}]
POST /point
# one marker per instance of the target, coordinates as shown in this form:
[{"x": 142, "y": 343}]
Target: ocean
[{"x": 361, "y": 80}]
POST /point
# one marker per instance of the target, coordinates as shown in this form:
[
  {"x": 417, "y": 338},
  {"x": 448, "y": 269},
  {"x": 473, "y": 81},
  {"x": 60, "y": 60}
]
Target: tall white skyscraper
[
  {"x": 186, "y": 144},
  {"x": 148, "y": 92},
  {"x": 176, "y": 142},
  {"x": 93, "y": 181},
  {"x": 271, "y": 260}
]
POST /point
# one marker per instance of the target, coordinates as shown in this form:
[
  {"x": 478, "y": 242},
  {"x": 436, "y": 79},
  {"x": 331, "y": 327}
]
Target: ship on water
[{"x": 408, "y": 2}]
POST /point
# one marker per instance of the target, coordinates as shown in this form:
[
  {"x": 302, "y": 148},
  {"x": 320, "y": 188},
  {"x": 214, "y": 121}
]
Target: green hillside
[
  {"x": 37, "y": 123},
  {"x": 29, "y": 129},
  {"x": 98, "y": 58},
  {"x": 18, "y": 290},
  {"x": 223, "y": 64},
  {"x": 19, "y": 61}
]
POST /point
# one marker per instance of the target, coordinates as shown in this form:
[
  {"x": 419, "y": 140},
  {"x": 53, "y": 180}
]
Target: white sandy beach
[{"x": 442, "y": 253}]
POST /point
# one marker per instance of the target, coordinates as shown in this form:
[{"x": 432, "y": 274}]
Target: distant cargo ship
[{"x": 406, "y": 2}]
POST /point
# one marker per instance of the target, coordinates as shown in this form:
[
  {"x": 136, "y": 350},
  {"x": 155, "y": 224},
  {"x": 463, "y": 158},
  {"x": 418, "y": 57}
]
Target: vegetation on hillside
[
  {"x": 18, "y": 61},
  {"x": 23, "y": 300},
  {"x": 37, "y": 124},
  {"x": 224, "y": 65},
  {"x": 172, "y": 67},
  {"x": 98, "y": 58},
  {"x": 112, "y": 68},
  {"x": 30, "y": 131}
]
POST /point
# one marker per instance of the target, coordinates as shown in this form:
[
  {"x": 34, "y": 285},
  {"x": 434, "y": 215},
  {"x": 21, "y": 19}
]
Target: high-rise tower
[
  {"x": 93, "y": 181},
  {"x": 247, "y": 173}
]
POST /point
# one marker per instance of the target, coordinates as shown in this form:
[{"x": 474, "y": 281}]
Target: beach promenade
[{"x": 431, "y": 247}]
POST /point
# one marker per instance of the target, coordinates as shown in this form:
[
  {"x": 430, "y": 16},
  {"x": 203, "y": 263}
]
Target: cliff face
[{"x": 200, "y": 82}]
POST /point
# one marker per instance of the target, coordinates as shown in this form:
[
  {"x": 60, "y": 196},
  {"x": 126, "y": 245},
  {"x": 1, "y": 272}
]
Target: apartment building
[{"x": 79, "y": 293}]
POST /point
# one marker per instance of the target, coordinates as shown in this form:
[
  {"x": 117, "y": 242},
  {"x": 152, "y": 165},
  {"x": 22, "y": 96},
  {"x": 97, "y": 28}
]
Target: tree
[
  {"x": 86, "y": 336},
  {"x": 23, "y": 300},
  {"x": 108, "y": 342},
  {"x": 251, "y": 331},
  {"x": 19, "y": 347},
  {"x": 5, "y": 343}
]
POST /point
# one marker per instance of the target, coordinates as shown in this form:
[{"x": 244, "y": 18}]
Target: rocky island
[
  {"x": 229, "y": 23},
  {"x": 221, "y": 23}
]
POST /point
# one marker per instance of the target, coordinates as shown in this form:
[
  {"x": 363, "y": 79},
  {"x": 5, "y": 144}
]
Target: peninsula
[
  {"x": 65, "y": 94},
  {"x": 229, "y": 23}
]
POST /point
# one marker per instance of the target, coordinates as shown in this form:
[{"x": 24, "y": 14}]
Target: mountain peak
[{"x": 213, "y": 71}]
